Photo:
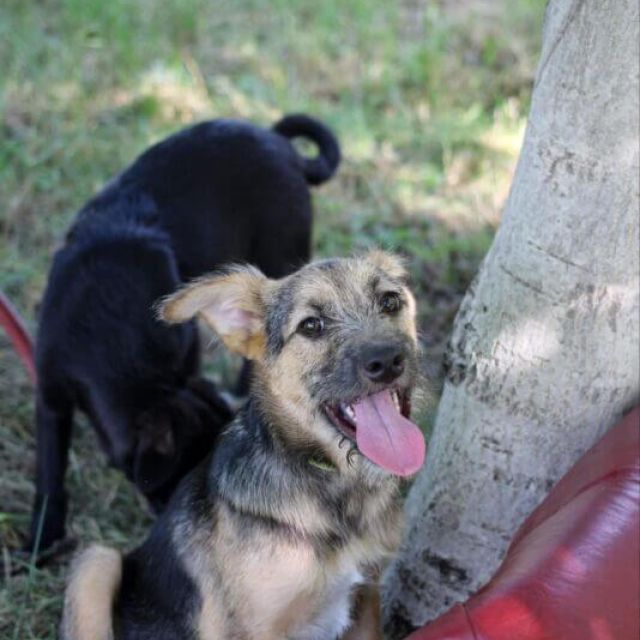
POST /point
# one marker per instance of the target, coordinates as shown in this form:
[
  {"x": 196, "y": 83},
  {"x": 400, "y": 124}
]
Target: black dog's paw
[
  {"x": 23, "y": 559},
  {"x": 47, "y": 523},
  {"x": 41, "y": 544}
]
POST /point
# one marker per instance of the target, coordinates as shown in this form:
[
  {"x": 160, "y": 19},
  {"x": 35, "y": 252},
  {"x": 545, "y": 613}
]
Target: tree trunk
[{"x": 544, "y": 354}]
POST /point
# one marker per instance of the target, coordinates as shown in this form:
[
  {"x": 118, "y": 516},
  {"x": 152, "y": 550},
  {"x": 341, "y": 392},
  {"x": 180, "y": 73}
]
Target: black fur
[
  {"x": 100, "y": 349},
  {"x": 161, "y": 596},
  {"x": 228, "y": 192},
  {"x": 278, "y": 316},
  {"x": 218, "y": 192},
  {"x": 157, "y": 599}
]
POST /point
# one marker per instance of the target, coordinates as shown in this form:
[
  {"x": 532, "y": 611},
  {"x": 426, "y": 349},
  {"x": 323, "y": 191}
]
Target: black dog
[{"x": 218, "y": 192}]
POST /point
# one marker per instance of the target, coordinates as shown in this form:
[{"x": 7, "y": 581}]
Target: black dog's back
[{"x": 243, "y": 188}]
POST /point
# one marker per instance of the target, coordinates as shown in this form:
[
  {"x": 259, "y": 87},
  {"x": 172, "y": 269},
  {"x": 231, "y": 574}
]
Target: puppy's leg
[
  {"x": 88, "y": 601},
  {"x": 366, "y": 624},
  {"x": 53, "y": 428}
]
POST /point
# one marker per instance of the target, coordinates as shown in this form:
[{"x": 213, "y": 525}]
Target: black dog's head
[
  {"x": 175, "y": 435},
  {"x": 335, "y": 349}
]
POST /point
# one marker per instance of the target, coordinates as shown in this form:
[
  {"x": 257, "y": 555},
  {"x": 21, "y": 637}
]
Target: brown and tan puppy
[{"x": 281, "y": 533}]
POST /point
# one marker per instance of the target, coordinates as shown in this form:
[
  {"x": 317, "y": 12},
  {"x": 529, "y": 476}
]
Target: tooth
[
  {"x": 396, "y": 400},
  {"x": 351, "y": 412}
]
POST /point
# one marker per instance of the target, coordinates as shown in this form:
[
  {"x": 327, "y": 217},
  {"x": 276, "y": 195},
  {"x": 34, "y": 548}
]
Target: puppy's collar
[{"x": 321, "y": 462}]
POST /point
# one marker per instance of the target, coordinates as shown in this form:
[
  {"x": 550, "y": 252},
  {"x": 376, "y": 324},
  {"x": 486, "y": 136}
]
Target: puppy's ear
[
  {"x": 388, "y": 262},
  {"x": 233, "y": 305}
]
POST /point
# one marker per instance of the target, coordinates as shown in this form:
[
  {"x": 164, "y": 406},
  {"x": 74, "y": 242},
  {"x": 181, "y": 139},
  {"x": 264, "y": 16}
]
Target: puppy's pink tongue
[{"x": 386, "y": 437}]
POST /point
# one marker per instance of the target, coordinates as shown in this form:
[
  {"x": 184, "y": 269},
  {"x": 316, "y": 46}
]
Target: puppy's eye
[
  {"x": 390, "y": 302},
  {"x": 311, "y": 327}
]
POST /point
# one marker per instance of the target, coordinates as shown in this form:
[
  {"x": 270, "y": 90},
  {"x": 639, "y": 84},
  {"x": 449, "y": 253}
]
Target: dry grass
[{"x": 429, "y": 100}]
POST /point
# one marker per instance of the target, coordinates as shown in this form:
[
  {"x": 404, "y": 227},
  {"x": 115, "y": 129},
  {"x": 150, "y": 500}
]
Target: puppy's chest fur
[
  {"x": 276, "y": 587},
  {"x": 284, "y": 562}
]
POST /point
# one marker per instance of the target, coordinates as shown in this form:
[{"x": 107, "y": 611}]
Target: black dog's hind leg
[
  {"x": 54, "y": 419},
  {"x": 242, "y": 385}
]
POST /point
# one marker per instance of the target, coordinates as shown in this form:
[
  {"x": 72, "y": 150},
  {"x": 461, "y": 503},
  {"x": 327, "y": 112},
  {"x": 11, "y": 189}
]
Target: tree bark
[{"x": 544, "y": 354}]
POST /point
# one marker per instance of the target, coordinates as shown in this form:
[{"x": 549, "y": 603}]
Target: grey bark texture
[{"x": 544, "y": 354}]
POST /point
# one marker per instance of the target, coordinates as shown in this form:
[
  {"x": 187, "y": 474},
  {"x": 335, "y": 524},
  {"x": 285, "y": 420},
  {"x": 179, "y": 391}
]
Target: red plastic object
[
  {"x": 10, "y": 320},
  {"x": 572, "y": 571}
]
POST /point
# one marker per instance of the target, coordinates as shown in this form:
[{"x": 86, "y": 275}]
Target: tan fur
[
  {"x": 277, "y": 585},
  {"x": 95, "y": 579},
  {"x": 285, "y": 375},
  {"x": 211, "y": 620},
  {"x": 262, "y": 581},
  {"x": 388, "y": 262},
  {"x": 223, "y": 301}
]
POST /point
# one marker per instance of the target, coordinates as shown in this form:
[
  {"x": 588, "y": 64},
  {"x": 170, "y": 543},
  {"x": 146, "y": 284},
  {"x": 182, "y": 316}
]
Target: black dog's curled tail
[{"x": 319, "y": 169}]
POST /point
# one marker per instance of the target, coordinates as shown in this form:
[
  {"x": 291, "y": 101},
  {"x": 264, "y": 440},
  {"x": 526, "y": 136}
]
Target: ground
[{"x": 429, "y": 100}]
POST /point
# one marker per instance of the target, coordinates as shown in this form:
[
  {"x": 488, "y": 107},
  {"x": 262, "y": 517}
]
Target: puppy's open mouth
[
  {"x": 380, "y": 427},
  {"x": 343, "y": 414}
]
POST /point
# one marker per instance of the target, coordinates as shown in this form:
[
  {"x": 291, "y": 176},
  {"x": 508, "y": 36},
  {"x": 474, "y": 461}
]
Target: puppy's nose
[{"x": 382, "y": 363}]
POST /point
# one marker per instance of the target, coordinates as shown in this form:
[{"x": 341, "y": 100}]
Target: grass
[{"x": 429, "y": 100}]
